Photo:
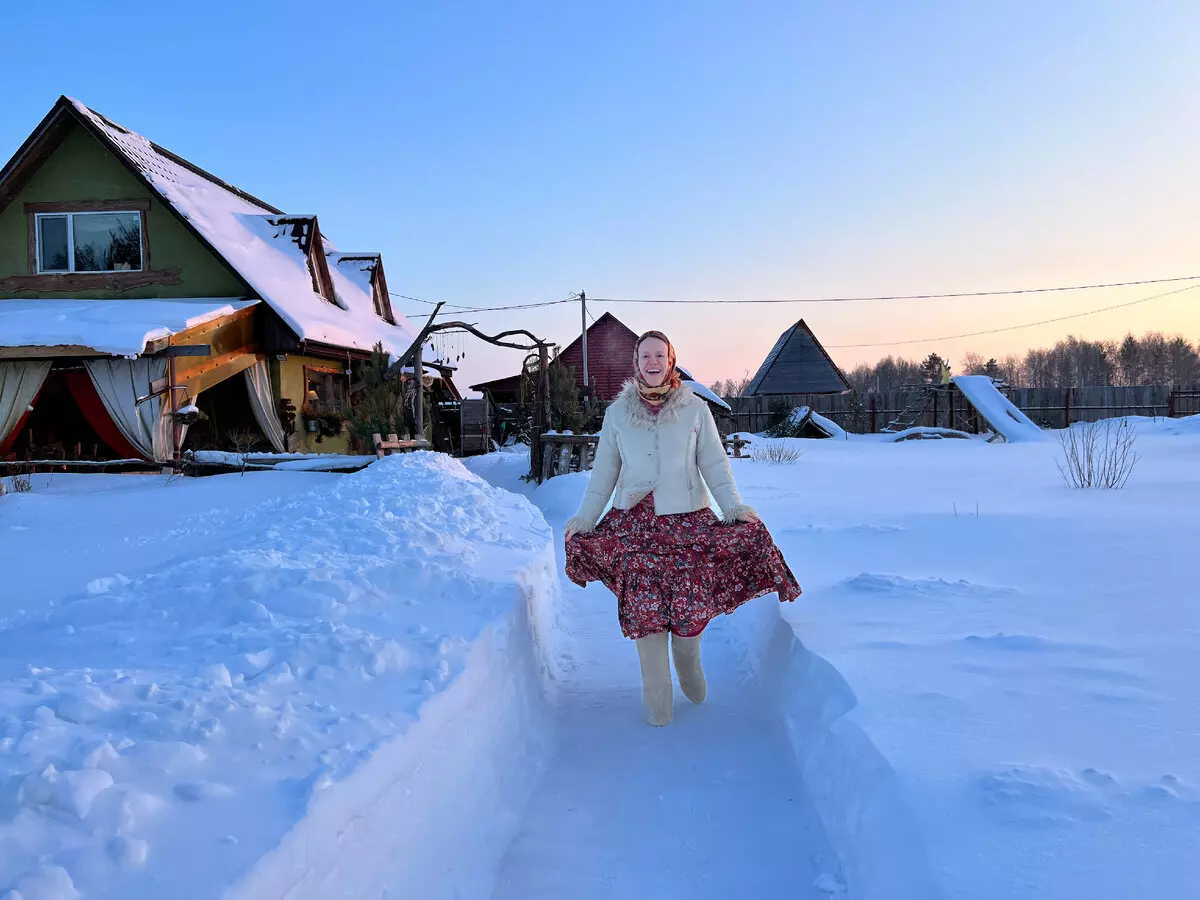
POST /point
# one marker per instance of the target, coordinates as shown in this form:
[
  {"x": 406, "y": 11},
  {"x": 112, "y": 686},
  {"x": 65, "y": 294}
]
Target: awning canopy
[{"x": 105, "y": 327}]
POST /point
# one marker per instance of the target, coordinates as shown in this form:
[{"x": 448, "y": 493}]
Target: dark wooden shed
[{"x": 798, "y": 364}]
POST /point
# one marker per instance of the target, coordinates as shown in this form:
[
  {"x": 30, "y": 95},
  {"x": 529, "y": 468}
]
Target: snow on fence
[{"x": 1048, "y": 407}]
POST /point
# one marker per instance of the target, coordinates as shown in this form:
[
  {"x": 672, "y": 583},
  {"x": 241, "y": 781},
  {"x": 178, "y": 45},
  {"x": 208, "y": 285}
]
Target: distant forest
[{"x": 1153, "y": 359}]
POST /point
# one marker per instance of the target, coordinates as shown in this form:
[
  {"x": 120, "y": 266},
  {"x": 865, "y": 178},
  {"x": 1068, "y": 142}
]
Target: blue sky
[{"x": 515, "y": 152}]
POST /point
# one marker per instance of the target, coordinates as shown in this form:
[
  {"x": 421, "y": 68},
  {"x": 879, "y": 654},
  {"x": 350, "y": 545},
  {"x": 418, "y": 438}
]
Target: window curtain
[
  {"x": 19, "y": 385},
  {"x": 147, "y": 425},
  {"x": 262, "y": 401}
]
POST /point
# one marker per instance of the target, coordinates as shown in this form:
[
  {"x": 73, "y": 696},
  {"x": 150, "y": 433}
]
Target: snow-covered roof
[
  {"x": 116, "y": 327},
  {"x": 700, "y": 390},
  {"x": 243, "y": 231}
]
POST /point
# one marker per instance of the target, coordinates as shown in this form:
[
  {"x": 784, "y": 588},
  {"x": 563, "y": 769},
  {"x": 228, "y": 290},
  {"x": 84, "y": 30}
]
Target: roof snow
[
  {"x": 242, "y": 230},
  {"x": 701, "y": 390},
  {"x": 115, "y": 327}
]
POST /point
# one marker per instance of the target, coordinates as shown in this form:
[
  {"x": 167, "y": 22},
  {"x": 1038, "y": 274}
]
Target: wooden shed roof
[{"x": 798, "y": 364}]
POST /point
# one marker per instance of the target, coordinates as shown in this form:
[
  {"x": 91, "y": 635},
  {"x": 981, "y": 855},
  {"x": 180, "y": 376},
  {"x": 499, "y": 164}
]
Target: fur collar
[{"x": 637, "y": 413}]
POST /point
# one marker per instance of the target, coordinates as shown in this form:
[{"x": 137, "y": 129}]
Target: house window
[
  {"x": 89, "y": 242},
  {"x": 326, "y": 391}
]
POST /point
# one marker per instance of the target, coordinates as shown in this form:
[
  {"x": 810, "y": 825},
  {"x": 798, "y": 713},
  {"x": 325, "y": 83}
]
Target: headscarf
[{"x": 655, "y": 396}]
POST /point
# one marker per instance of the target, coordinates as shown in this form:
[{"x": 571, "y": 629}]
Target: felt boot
[
  {"x": 686, "y": 651},
  {"x": 657, "y": 689}
]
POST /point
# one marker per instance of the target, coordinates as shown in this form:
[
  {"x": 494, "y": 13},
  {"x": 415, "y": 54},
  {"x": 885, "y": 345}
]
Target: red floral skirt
[{"x": 676, "y": 572}]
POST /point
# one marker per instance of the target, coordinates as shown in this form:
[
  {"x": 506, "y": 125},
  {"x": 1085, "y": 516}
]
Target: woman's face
[{"x": 652, "y": 360}]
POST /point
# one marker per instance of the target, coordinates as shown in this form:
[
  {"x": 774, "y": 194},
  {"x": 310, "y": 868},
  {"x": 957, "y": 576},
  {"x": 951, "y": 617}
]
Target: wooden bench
[
  {"x": 562, "y": 453},
  {"x": 393, "y": 443}
]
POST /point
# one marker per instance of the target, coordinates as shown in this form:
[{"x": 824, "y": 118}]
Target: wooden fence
[{"x": 1049, "y": 407}]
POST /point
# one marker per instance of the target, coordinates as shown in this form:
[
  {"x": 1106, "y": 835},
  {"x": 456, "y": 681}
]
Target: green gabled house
[{"x": 138, "y": 290}]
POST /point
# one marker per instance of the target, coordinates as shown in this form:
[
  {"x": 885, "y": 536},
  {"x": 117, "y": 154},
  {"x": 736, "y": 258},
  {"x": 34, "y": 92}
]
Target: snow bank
[
  {"x": 867, "y": 818},
  {"x": 257, "y": 713}
]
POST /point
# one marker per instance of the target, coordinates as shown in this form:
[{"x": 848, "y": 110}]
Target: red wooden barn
[{"x": 610, "y": 364}]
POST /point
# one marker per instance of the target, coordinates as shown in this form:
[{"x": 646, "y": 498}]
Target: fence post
[
  {"x": 1067, "y": 410},
  {"x": 1171, "y": 404},
  {"x": 874, "y": 407}
]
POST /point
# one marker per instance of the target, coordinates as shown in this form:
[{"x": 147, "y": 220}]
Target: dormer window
[
  {"x": 372, "y": 265},
  {"x": 108, "y": 241},
  {"x": 305, "y": 231}
]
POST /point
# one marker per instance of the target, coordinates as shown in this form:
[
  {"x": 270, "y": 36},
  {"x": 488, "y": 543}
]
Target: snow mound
[{"x": 144, "y": 720}]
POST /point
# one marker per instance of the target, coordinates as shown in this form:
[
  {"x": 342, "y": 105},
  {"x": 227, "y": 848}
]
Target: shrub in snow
[
  {"x": 777, "y": 452},
  {"x": 18, "y": 483},
  {"x": 1098, "y": 454}
]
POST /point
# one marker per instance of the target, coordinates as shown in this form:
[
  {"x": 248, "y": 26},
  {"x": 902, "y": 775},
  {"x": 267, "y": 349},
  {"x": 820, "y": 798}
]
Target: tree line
[{"x": 1152, "y": 359}]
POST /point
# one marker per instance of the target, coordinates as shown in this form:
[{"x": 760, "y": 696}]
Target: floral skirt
[{"x": 678, "y": 571}]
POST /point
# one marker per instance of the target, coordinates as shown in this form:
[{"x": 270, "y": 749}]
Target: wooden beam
[
  {"x": 45, "y": 352},
  {"x": 187, "y": 350},
  {"x": 61, "y": 206},
  {"x": 73, "y": 282},
  {"x": 223, "y": 368}
]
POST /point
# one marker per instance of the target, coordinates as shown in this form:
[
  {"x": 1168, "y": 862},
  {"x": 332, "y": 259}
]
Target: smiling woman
[{"x": 672, "y": 564}]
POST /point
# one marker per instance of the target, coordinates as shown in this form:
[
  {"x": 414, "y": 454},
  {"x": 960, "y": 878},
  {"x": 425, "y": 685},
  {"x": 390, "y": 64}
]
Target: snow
[
  {"x": 1000, "y": 413},
  {"x": 832, "y": 428},
  {"x": 116, "y": 327},
  {"x": 289, "y": 462},
  {"x": 197, "y": 674},
  {"x": 270, "y": 261},
  {"x": 700, "y": 390},
  {"x": 307, "y": 685},
  {"x": 925, "y": 433}
]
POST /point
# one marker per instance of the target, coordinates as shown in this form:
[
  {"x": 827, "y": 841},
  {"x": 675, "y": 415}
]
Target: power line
[
  {"x": 864, "y": 299},
  {"x": 959, "y": 295},
  {"x": 953, "y": 337},
  {"x": 484, "y": 308}
]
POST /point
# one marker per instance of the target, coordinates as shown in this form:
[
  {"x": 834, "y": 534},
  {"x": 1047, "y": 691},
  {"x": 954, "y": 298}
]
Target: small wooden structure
[
  {"x": 475, "y": 424},
  {"x": 797, "y": 364},
  {"x": 563, "y": 453},
  {"x": 384, "y": 448}
]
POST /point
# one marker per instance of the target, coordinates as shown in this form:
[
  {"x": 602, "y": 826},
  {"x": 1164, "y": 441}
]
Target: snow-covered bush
[
  {"x": 1098, "y": 454},
  {"x": 17, "y": 482},
  {"x": 776, "y": 452}
]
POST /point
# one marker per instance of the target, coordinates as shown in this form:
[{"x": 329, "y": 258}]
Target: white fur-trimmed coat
[{"x": 669, "y": 453}]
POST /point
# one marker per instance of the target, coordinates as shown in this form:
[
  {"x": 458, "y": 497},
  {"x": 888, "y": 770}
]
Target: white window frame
[{"x": 70, "y": 270}]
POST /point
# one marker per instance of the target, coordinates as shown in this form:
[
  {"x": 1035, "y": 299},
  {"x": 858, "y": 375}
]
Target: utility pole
[{"x": 586, "y": 382}]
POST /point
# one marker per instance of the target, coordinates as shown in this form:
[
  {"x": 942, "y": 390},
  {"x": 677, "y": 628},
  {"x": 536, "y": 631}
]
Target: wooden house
[
  {"x": 797, "y": 364},
  {"x": 146, "y": 305}
]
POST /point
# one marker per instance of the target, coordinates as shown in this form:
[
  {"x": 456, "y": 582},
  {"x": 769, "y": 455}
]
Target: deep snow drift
[{"x": 172, "y": 705}]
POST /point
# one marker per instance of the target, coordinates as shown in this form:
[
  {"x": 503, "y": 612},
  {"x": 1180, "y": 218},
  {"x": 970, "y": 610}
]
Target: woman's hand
[
  {"x": 570, "y": 533},
  {"x": 746, "y": 515}
]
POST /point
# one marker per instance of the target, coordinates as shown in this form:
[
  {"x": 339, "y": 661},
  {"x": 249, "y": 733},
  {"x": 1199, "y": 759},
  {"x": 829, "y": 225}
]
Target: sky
[{"x": 502, "y": 153}]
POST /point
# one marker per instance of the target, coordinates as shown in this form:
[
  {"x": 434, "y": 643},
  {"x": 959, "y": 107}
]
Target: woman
[{"x": 671, "y": 562}]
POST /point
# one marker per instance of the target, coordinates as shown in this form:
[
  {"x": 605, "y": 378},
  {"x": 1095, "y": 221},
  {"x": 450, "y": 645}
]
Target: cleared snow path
[{"x": 710, "y": 806}]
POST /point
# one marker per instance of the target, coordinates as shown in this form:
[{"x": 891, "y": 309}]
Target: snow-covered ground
[
  {"x": 212, "y": 684},
  {"x": 378, "y": 684}
]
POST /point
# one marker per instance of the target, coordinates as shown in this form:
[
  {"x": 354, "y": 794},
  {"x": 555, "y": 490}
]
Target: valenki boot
[
  {"x": 657, "y": 689},
  {"x": 686, "y": 651}
]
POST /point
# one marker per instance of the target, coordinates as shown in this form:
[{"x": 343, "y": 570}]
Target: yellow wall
[{"x": 288, "y": 375}]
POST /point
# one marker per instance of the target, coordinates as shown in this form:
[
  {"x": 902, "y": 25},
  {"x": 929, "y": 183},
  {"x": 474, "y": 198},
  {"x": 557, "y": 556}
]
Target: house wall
[
  {"x": 610, "y": 357},
  {"x": 288, "y": 377},
  {"x": 80, "y": 168}
]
